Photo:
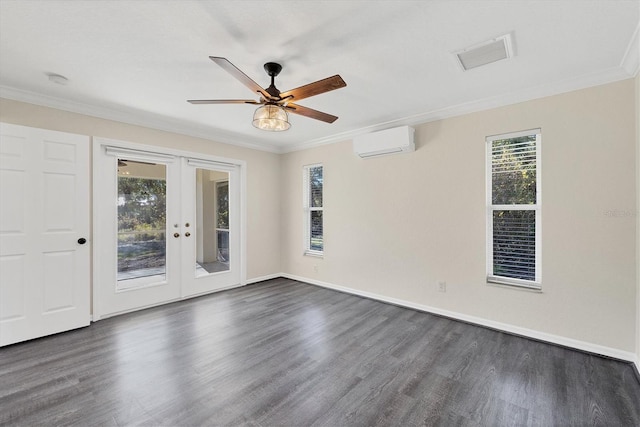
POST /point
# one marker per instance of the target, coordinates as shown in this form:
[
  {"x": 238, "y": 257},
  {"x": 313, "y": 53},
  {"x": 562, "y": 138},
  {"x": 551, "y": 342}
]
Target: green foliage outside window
[
  {"x": 514, "y": 171},
  {"x": 141, "y": 223},
  {"x": 316, "y": 182},
  {"x": 222, "y": 194},
  {"x": 514, "y": 183},
  {"x": 142, "y": 204}
]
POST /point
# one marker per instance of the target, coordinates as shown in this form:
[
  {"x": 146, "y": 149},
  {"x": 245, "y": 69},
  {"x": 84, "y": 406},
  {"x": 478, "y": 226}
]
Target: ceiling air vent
[{"x": 485, "y": 53}]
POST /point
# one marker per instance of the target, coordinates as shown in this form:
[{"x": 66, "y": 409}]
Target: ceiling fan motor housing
[{"x": 272, "y": 68}]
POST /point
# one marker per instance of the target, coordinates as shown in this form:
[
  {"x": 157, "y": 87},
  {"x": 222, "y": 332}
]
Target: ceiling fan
[{"x": 272, "y": 115}]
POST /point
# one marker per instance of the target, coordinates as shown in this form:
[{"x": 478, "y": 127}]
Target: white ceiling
[{"x": 139, "y": 61}]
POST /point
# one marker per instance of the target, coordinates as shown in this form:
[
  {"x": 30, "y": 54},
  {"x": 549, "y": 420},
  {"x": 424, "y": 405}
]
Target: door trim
[{"x": 99, "y": 144}]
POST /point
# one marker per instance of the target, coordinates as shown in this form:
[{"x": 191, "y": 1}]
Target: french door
[
  {"x": 167, "y": 226},
  {"x": 212, "y": 247}
]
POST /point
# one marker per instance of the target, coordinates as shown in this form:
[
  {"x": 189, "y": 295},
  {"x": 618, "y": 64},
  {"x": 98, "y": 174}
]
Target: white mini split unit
[{"x": 388, "y": 141}]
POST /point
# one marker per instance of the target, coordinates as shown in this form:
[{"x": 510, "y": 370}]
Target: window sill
[
  {"x": 515, "y": 283},
  {"x": 314, "y": 254}
]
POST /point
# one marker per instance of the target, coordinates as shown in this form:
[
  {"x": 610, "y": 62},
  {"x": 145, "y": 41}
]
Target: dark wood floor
[{"x": 286, "y": 353}]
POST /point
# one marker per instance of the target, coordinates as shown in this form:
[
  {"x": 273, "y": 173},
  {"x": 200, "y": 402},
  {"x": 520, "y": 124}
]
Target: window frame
[
  {"x": 308, "y": 209},
  {"x": 491, "y": 278}
]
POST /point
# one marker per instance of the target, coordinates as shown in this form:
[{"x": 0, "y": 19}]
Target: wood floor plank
[{"x": 284, "y": 353}]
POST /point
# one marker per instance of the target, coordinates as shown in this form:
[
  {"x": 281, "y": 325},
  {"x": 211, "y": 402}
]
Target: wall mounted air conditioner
[{"x": 389, "y": 141}]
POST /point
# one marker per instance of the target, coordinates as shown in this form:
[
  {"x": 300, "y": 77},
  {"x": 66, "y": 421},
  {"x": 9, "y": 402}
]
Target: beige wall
[
  {"x": 396, "y": 225},
  {"x": 263, "y": 233},
  {"x": 206, "y": 244}
]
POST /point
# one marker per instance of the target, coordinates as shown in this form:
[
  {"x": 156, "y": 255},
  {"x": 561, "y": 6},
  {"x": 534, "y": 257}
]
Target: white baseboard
[
  {"x": 263, "y": 278},
  {"x": 529, "y": 333},
  {"x": 94, "y": 318}
]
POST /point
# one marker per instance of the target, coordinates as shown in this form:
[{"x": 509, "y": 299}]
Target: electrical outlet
[
  {"x": 315, "y": 268},
  {"x": 442, "y": 286}
]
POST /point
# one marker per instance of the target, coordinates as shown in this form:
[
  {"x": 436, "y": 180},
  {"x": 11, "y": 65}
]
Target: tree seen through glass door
[{"x": 142, "y": 212}]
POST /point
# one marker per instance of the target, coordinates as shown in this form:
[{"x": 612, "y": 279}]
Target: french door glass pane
[
  {"x": 142, "y": 213},
  {"x": 212, "y": 218}
]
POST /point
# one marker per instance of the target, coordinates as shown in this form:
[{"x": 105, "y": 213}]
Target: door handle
[
  {"x": 176, "y": 235},
  {"x": 82, "y": 241},
  {"x": 187, "y": 234}
]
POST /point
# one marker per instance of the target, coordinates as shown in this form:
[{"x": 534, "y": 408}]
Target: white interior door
[
  {"x": 211, "y": 221},
  {"x": 44, "y": 230}
]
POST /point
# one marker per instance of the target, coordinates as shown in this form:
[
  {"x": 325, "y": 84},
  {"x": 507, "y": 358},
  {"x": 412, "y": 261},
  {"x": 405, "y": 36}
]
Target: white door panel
[
  {"x": 44, "y": 271},
  {"x": 12, "y": 296},
  {"x": 119, "y": 289}
]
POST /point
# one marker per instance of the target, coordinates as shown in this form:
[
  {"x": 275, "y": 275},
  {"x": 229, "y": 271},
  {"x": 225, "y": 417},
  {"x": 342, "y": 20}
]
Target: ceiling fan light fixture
[{"x": 272, "y": 118}]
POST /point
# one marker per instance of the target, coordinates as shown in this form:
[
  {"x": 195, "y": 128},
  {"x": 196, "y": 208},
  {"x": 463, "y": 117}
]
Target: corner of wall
[
  {"x": 637, "y": 115},
  {"x": 281, "y": 209}
]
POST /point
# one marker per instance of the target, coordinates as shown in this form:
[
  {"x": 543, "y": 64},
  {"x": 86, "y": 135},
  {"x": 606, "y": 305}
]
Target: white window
[
  {"x": 513, "y": 209},
  {"x": 313, "y": 180}
]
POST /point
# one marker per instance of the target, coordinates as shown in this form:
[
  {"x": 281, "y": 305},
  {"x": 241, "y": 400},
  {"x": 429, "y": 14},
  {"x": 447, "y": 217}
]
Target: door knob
[
  {"x": 187, "y": 234},
  {"x": 176, "y": 235},
  {"x": 82, "y": 240}
]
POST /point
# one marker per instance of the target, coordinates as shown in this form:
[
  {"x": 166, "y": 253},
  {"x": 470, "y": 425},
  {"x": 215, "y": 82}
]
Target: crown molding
[
  {"x": 628, "y": 68},
  {"x": 134, "y": 117},
  {"x": 584, "y": 81}
]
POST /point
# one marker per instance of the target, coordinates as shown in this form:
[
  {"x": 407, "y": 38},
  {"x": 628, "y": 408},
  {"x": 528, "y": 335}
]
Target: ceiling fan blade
[
  {"x": 315, "y": 88},
  {"x": 239, "y": 75},
  {"x": 311, "y": 113},
  {"x": 223, "y": 101}
]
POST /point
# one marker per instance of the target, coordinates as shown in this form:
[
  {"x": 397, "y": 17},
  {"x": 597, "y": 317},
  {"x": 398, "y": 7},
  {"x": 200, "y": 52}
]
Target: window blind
[
  {"x": 313, "y": 182},
  {"x": 513, "y": 200},
  {"x": 514, "y": 244}
]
